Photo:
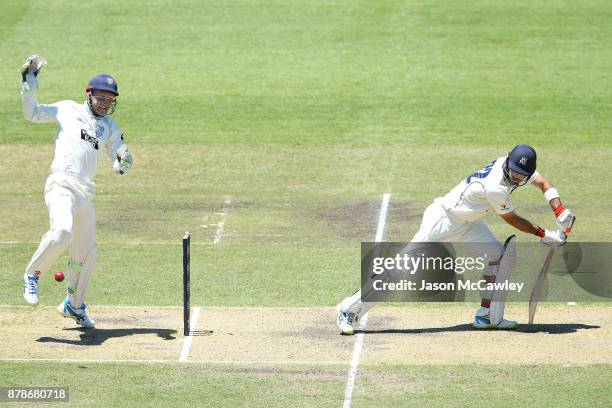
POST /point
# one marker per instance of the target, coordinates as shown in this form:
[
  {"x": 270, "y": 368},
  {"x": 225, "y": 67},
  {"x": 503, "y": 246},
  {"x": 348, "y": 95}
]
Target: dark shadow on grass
[
  {"x": 521, "y": 328},
  {"x": 95, "y": 337}
]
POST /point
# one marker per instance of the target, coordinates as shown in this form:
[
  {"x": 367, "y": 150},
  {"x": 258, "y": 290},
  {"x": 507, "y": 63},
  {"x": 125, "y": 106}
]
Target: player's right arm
[
  {"x": 546, "y": 236},
  {"x": 520, "y": 223},
  {"x": 32, "y": 110}
]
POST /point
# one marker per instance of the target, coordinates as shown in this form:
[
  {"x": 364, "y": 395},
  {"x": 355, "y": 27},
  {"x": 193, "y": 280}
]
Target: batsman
[
  {"x": 457, "y": 218},
  {"x": 85, "y": 133}
]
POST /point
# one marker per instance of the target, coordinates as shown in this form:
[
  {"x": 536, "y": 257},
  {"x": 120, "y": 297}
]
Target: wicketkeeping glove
[
  {"x": 124, "y": 160},
  {"x": 32, "y": 65}
]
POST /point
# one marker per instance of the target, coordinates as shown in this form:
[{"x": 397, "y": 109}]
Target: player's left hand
[
  {"x": 551, "y": 238},
  {"x": 565, "y": 220}
]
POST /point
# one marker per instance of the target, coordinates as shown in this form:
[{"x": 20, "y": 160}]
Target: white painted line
[
  {"x": 112, "y": 243},
  {"x": 352, "y": 374},
  {"x": 266, "y": 362},
  {"x": 80, "y": 360},
  {"x": 143, "y": 361},
  {"x": 221, "y": 224},
  {"x": 266, "y": 308},
  {"x": 94, "y": 306},
  {"x": 188, "y": 339},
  {"x": 382, "y": 218},
  {"x": 180, "y": 307},
  {"x": 571, "y": 303},
  {"x": 350, "y": 384}
]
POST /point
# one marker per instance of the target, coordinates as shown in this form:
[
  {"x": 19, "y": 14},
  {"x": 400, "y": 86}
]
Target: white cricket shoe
[
  {"x": 78, "y": 314},
  {"x": 482, "y": 320},
  {"x": 30, "y": 289},
  {"x": 345, "y": 321}
]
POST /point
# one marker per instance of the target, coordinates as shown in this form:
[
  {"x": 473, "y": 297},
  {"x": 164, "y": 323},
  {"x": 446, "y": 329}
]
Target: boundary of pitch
[
  {"x": 158, "y": 361},
  {"x": 181, "y": 307},
  {"x": 208, "y": 243},
  {"x": 331, "y": 363}
]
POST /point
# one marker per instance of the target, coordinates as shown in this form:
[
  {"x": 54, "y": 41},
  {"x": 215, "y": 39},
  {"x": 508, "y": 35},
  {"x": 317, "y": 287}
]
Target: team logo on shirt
[
  {"x": 89, "y": 139},
  {"x": 99, "y": 131}
]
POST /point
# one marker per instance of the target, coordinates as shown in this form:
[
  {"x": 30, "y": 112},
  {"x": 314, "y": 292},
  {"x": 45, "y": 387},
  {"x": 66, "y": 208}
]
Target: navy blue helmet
[
  {"x": 103, "y": 82},
  {"x": 106, "y": 83},
  {"x": 520, "y": 164}
]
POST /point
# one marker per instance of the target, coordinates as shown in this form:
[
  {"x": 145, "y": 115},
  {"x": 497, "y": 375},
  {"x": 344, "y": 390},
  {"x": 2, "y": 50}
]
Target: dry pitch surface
[{"x": 409, "y": 334}]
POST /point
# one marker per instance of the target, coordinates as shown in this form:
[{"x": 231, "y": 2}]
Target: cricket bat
[{"x": 539, "y": 286}]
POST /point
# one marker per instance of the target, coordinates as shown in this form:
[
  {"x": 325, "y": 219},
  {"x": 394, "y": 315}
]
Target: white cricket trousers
[
  {"x": 438, "y": 225},
  {"x": 72, "y": 223}
]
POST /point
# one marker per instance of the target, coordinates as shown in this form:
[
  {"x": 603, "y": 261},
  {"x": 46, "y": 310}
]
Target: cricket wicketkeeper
[
  {"x": 456, "y": 218},
  {"x": 84, "y": 131}
]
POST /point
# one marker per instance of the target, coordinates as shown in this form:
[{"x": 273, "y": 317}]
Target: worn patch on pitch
[{"x": 357, "y": 219}]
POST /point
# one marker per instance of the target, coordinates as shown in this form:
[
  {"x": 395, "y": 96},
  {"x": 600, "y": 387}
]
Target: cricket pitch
[{"x": 394, "y": 335}]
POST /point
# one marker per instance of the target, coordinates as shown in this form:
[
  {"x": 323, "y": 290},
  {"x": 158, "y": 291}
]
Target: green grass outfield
[
  {"x": 176, "y": 385},
  {"x": 303, "y": 113}
]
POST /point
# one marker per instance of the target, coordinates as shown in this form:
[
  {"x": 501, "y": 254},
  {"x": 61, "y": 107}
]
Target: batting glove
[
  {"x": 565, "y": 218},
  {"x": 548, "y": 237}
]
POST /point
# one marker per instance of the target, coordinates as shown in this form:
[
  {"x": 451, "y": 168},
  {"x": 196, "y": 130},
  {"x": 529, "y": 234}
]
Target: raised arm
[{"x": 32, "y": 110}]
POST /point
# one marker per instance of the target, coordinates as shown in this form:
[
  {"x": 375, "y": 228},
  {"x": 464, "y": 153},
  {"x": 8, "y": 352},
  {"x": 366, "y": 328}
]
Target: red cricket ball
[{"x": 59, "y": 276}]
